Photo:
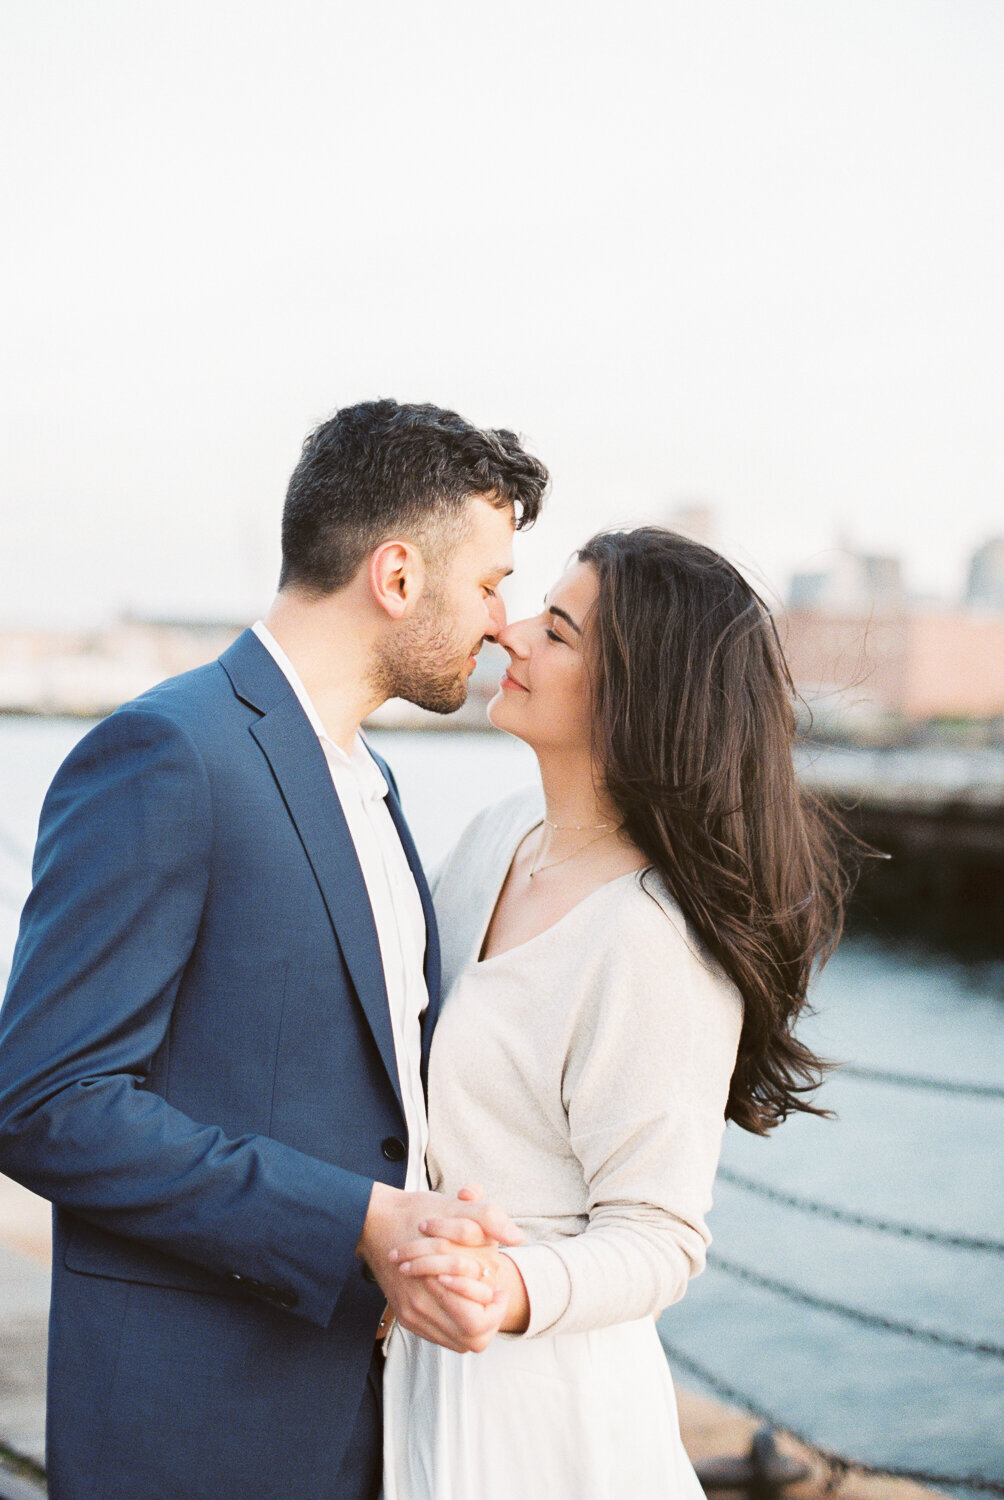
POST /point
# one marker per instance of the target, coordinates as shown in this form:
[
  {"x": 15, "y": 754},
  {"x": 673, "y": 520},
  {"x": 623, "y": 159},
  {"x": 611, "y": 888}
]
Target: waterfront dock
[
  {"x": 931, "y": 817},
  {"x": 712, "y": 1431}
]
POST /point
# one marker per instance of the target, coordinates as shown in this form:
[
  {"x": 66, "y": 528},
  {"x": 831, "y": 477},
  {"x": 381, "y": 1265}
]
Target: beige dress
[{"x": 581, "y": 1079}]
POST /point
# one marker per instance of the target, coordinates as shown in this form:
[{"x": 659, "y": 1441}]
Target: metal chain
[
  {"x": 918, "y": 1081},
  {"x": 870, "y": 1320},
  {"x": 539, "y": 869},
  {"x": 838, "y": 1463},
  {"x": 863, "y": 1221}
]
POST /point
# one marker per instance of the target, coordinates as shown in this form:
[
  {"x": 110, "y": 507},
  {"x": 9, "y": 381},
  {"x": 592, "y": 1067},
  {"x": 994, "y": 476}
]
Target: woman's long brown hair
[{"x": 695, "y": 725}]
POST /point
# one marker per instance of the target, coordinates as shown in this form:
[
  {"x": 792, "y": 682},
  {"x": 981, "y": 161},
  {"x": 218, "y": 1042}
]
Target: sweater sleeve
[{"x": 645, "y": 1085}]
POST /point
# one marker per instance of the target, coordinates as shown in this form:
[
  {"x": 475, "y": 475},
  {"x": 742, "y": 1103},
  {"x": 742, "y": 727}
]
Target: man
[{"x": 213, "y": 1046}]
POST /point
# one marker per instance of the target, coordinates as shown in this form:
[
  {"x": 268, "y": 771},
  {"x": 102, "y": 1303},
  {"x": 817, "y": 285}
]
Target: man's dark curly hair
[{"x": 381, "y": 469}]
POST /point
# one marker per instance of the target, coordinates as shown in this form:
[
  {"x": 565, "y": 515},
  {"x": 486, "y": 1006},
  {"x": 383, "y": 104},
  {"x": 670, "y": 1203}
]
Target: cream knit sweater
[{"x": 581, "y": 1080}]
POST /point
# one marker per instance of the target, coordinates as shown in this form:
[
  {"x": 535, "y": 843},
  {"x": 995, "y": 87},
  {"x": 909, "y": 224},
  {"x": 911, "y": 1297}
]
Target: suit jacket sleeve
[{"x": 121, "y": 872}]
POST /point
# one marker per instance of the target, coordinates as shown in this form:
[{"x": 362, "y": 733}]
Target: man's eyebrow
[
  {"x": 563, "y": 614},
  {"x": 500, "y": 571}
]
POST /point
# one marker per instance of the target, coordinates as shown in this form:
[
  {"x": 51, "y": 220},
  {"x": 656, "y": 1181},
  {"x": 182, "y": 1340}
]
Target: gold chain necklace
[
  {"x": 537, "y": 869},
  {"x": 574, "y": 827}
]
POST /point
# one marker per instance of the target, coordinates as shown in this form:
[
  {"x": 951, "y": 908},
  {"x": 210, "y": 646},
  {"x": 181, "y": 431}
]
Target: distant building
[
  {"x": 90, "y": 672},
  {"x": 985, "y": 584},
  {"x": 863, "y": 673},
  {"x": 857, "y": 584},
  {"x": 862, "y": 655}
]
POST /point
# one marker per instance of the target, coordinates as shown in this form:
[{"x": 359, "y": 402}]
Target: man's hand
[
  {"x": 426, "y": 1306},
  {"x": 472, "y": 1271}
]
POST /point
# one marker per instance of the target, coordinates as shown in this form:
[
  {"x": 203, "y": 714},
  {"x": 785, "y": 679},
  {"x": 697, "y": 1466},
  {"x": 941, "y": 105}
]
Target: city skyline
[{"x": 869, "y": 658}]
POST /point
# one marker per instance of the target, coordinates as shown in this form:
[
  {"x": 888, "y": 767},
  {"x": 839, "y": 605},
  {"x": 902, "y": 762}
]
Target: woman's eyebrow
[{"x": 563, "y": 614}]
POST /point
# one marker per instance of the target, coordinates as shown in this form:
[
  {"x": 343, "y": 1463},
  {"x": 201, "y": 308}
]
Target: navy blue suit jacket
[{"x": 197, "y": 1067}]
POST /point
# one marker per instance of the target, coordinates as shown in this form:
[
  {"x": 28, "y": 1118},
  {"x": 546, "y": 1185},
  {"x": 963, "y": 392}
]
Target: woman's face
[{"x": 545, "y": 696}]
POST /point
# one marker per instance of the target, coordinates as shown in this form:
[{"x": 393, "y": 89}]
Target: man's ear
[{"x": 396, "y": 578}]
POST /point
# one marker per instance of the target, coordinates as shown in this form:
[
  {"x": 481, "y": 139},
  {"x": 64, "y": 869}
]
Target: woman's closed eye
[{"x": 553, "y": 635}]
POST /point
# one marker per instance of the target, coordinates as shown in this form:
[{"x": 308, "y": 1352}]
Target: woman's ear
[{"x": 396, "y": 578}]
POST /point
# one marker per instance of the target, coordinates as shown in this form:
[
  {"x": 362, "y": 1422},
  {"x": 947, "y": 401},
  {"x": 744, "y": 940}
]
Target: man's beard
[{"x": 424, "y": 661}]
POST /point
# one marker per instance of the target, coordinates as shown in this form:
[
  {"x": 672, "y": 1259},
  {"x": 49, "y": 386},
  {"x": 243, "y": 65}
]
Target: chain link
[
  {"x": 918, "y": 1081},
  {"x": 838, "y": 1463},
  {"x": 863, "y": 1221},
  {"x": 856, "y": 1314}
]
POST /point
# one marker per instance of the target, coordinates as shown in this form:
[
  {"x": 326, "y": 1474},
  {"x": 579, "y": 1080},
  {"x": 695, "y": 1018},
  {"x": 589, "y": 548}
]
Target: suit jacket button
[{"x": 394, "y": 1149}]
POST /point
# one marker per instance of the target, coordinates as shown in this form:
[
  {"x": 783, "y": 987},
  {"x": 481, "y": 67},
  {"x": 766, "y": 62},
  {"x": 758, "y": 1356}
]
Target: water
[
  {"x": 925, "y": 1158},
  {"x": 918, "y": 1157}
]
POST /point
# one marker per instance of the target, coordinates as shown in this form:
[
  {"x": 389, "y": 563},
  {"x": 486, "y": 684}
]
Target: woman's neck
[{"x": 574, "y": 793}]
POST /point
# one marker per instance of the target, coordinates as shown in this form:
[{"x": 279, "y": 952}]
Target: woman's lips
[{"x": 511, "y": 683}]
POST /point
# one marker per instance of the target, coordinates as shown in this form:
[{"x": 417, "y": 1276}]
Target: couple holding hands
[{"x": 363, "y": 1188}]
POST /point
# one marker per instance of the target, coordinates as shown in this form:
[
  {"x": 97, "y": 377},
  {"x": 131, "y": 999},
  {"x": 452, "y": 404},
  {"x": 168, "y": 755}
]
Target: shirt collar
[{"x": 372, "y": 783}]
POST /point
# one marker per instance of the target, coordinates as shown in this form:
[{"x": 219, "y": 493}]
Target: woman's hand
[{"x": 475, "y": 1272}]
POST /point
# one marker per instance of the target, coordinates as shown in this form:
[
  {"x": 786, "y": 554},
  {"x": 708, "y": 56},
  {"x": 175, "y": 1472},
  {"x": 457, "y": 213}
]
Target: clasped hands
[{"x": 438, "y": 1263}]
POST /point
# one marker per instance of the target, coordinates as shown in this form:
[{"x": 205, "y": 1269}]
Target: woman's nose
[{"x": 513, "y": 637}]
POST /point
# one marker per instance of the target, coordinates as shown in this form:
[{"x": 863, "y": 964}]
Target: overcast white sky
[{"x": 743, "y": 251}]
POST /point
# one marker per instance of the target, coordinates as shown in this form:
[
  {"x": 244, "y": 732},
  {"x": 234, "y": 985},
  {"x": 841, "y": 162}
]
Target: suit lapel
[
  {"x": 288, "y": 741},
  {"x": 301, "y": 771},
  {"x": 432, "y": 964}
]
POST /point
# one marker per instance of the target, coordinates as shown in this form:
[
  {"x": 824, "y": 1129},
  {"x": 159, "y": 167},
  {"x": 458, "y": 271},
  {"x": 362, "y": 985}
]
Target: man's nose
[{"x": 497, "y": 615}]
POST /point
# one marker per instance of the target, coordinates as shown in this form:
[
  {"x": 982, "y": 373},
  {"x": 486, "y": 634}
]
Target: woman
[{"x": 625, "y": 957}]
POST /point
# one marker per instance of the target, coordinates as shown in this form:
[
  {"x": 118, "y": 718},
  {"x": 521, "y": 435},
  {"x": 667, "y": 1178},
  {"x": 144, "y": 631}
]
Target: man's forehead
[
  {"x": 490, "y": 512},
  {"x": 490, "y": 533}
]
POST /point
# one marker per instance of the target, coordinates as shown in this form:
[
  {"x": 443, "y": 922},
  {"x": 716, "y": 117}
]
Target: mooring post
[{"x": 762, "y": 1473}]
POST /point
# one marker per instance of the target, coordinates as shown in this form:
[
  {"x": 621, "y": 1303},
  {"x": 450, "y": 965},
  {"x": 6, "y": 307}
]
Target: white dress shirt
[{"x": 397, "y": 907}]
